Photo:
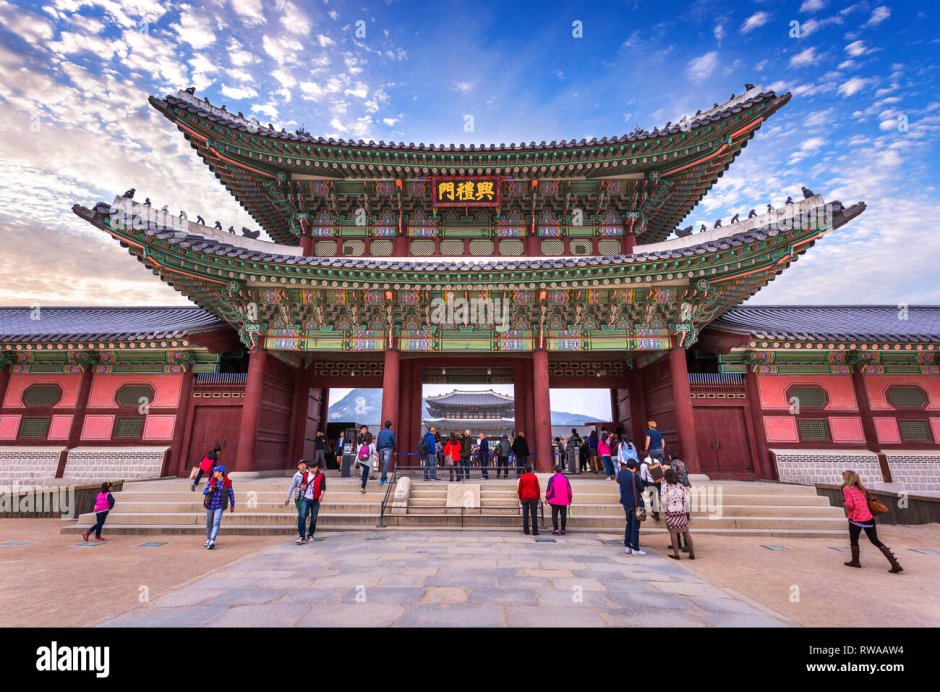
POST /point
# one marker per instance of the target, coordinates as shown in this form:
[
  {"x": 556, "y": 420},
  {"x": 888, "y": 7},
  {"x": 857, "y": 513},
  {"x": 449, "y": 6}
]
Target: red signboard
[{"x": 465, "y": 192}]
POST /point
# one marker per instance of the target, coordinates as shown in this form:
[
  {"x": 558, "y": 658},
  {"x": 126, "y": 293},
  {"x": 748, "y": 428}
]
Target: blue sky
[{"x": 76, "y": 126}]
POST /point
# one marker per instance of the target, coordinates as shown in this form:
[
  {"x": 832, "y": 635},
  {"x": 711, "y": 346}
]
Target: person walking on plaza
[
  {"x": 220, "y": 495},
  {"x": 631, "y": 497},
  {"x": 521, "y": 449},
  {"x": 529, "y": 492},
  {"x": 104, "y": 503},
  {"x": 466, "y": 450},
  {"x": 385, "y": 444},
  {"x": 430, "y": 454},
  {"x": 558, "y": 494},
  {"x": 503, "y": 451},
  {"x": 655, "y": 445},
  {"x": 365, "y": 458},
  {"x": 860, "y": 517},
  {"x": 484, "y": 456},
  {"x": 210, "y": 459},
  {"x": 678, "y": 510},
  {"x": 312, "y": 489},
  {"x": 320, "y": 447},
  {"x": 452, "y": 449},
  {"x": 603, "y": 450},
  {"x": 295, "y": 494},
  {"x": 682, "y": 477}
]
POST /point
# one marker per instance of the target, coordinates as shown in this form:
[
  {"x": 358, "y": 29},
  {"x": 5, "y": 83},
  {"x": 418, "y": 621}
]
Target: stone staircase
[{"x": 726, "y": 508}]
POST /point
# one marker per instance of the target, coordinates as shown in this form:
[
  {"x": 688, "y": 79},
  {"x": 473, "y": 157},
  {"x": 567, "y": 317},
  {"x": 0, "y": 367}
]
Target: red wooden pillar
[
  {"x": 752, "y": 391},
  {"x": 251, "y": 409},
  {"x": 4, "y": 380},
  {"x": 390, "y": 383},
  {"x": 177, "y": 464},
  {"x": 868, "y": 422},
  {"x": 629, "y": 238},
  {"x": 638, "y": 416},
  {"x": 324, "y": 408},
  {"x": 78, "y": 417},
  {"x": 542, "y": 411},
  {"x": 415, "y": 413},
  {"x": 682, "y": 401},
  {"x": 615, "y": 407},
  {"x": 300, "y": 401},
  {"x": 306, "y": 244},
  {"x": 533, "y": 248}
]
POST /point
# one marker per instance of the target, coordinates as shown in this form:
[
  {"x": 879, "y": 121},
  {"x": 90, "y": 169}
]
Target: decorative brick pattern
[
  {"x": 810, "y": 466},
  {"x": 114, "y": 463},
  {"x": 23, "y": 464},
  {"x": 917, "y": 471}
]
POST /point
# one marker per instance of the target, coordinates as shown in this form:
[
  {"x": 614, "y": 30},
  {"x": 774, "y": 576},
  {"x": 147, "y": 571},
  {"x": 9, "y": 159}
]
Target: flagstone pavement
[{"x": 470, "y": 579}]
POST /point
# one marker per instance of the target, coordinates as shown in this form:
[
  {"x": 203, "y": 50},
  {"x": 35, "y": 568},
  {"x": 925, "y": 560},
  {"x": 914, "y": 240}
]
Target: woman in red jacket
[
  {"x": 860, "y": 517},
  {"x": 452, "y": 450}
]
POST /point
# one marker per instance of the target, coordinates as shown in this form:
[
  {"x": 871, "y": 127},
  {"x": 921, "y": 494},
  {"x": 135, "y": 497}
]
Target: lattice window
[
  {"x": 807, "y": 396},
  {"x": 34, "y": 428},
  {"x": 422, "y": 248},
  {"x": 915, "y": 431},
  {"x": 553, "y": 247},
  {"x": 131, "y": 395},
  {"x": 42, "y": 395},
  {"x": 381, "y": 248},
  {"x": 581, "y": 246},
  {"x": 452, "y": 247},
  {"x": 511, "y": 248},
  {"x": 907, "y": 397},
  {"x": 325, "y": 248},
  {"x": 481, "y": 248},
  {"x": 813, "y": 429},
  {"x": 608, "y": 247},
  {"x": 128, "y": 428},
  {"x": 354, "y": 248}
]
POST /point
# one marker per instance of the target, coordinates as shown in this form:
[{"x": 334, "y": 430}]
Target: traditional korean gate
[{"x": 724, "y": 443}]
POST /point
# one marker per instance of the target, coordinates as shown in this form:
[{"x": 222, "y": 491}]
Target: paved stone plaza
[{"x": 435, "y": 579}]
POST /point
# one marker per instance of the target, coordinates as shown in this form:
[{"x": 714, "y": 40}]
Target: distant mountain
[{"x": 364, "y": 407}]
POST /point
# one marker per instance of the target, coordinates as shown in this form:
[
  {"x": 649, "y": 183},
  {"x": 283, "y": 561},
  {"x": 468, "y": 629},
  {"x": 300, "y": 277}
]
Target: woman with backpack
[
  {"x": 558, "y": 494},
  {"x": 676, "y": 505},
  {"x": 219, "y": 496},
  {"x": 365, "y": 456},
  {"x": 104, "y": 503},
  {"x": 452, "y": 450},
  {"x": 860, "y": 517}
]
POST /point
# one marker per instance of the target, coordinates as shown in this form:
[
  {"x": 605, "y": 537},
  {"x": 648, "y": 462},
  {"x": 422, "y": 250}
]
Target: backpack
[
  {"x": 682, "y": 472},
  {"x": 363, "y": 453},
  {"x": 656, "y": 471},
  {"x": 422, "y": 447}
]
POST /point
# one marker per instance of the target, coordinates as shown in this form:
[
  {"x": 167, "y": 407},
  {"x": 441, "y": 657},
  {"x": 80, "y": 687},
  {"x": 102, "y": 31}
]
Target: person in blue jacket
[
  {"x": 430, "y": 455},
  {"x": 631, "y": 497}
]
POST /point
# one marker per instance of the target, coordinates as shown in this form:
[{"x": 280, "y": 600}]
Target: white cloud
[
  {"x": 360, "y": 91},
  {"x": 811, "y": 26},
  {"x": 805, "y": 57},
  {"x": 702, "y": 67},
  {"x": 853, "y": 86},
  {"x": 282, "y": 48},
  {"x": 856, "y": 48},
  {"x": 250, "y": 11},
  {"x": 324, "y": 41},
  {"x": 293, "y": 19},
  {"x": 812, "y": 5},
  {"x": 238, "y": 55},
  {"x": 463, "y": 87},
  {"x": 194, "y": 29},
  {"x": 284, "y": 78},
  {"x": 719, "y": 32},
  {"x": 880, "y": 13},
  {"x": 238, "y": 93},
  {"x": 758, "y": 19},
  {"x": 390, "y": 122},
  {"x": 333, "y": 14}
]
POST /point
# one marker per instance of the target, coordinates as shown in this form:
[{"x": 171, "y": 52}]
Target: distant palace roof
[
  {"x": 887, "y": 323},
  {"x": 73, "y": 324},
  {"x": 468, "y": 398}
]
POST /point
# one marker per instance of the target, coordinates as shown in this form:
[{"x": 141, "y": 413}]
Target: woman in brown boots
[
  {"x": 860, "y": 517},
  {"x": 675, "y": 502}
]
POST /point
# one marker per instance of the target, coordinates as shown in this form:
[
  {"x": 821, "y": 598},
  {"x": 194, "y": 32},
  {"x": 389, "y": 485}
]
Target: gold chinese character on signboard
[
  {"x": 485, "y": 192},
  {"x": 445, "y": 191},
  {"x": 465, "y": 191}
]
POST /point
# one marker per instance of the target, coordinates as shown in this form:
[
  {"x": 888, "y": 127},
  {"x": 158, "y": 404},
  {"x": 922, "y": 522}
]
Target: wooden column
[
  {"x": 533, "y": 246},
  {"x": 767, "y": 470},
  {"x": 682, "y": 402},
  {"x": 177, "y": 464},
  {"x": 4, "y": 379},
  {"x": 300, "y": 401},
  {"x": 868, "y": 422},
  {"x": 78, "y": 417},
  {"x": 324, "y": 408},
  {"x": 251, "y": 409},
  {"x": 629, "y": 238},
  {"x": 615, "y": 407},
  {"x": 306, "y": 244},
  {"x": 638, "y": 416},
  {"x": 390, "y": 383},
  {"x": 541, "y": 438}
]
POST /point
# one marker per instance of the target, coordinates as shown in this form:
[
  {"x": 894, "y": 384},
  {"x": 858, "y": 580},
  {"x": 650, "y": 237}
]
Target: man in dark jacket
[
  {"x": 521, "y": 449},
  {"x": 631, "y": 497},
  {"x": 385, "y": 446},
  {"x": 502, "y": 450},
  {"x": 484, "y": 456},
  {"x": 466, "y": 450}
]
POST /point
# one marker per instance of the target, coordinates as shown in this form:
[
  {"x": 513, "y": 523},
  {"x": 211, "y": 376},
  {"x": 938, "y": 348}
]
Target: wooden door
[
  {"x": 211, "y": 425},
  {"x": 723, "y": 442}
]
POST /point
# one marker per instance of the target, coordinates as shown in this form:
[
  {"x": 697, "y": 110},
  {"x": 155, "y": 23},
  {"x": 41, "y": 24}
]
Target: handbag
[
  {"x": 192, "y": 474},
  {"x": 876, "y": 506},
  {"x": 640, "y": 511}
]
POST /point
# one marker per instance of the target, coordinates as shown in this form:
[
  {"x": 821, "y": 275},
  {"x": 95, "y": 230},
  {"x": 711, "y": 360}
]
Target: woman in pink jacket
[
  {"x": 603, "y": 451},
  {"x": 860, "y": 517},
  {"x": 558, "y": 495}
]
